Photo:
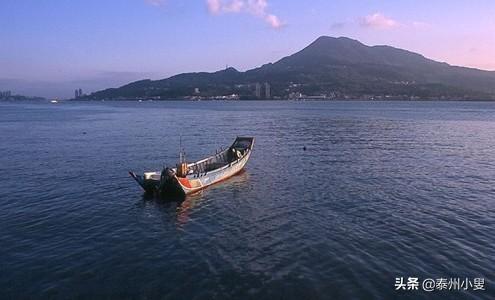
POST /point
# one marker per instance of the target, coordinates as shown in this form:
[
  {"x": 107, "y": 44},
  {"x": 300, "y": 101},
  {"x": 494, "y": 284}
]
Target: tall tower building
[
  {"x": 76, "y": 94},
  {"x": 258, "y": 90},
  {"x": 80, "y": 93},
  {"x": 267, "y": 91}
]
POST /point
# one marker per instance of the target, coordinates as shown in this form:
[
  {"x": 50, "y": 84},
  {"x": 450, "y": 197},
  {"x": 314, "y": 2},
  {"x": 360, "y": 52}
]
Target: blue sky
[{"x": 49, "y": 48}]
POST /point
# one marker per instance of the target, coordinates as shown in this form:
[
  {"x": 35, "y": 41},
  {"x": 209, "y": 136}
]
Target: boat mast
[
  {"x": 182, "y": 168},
  {"x": 182, "y": 154}
]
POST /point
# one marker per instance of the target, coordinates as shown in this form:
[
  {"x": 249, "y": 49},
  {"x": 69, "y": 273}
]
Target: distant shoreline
[
  {"x": 240, "y": 101},
  {"x": 281, "y": 100}
]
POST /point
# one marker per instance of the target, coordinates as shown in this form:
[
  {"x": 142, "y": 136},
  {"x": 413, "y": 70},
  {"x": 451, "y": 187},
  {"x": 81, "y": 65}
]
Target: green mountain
[{"x": 333, "y": 68}]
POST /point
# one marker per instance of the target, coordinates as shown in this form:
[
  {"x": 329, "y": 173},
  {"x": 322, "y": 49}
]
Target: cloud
[
  {"x": 379, "y": 21},
  {"x": 214, "y": 6},
  {"x": 256, "y": 8},
  {"x": 155, "y": 2},
  {"x": 338, "y": 25},
  {"x": 234, "y": 6},
  {"x": 273, "y": 21}
]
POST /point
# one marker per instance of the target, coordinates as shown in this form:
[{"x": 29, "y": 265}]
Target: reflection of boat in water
[
  {"x": 189, "y": 178},
  {"x": 181, "y": 208},
  {"x": 186, "y": 206}
]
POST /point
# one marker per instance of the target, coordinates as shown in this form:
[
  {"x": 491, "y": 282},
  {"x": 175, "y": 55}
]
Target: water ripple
[{"x": 382, "y": 190}]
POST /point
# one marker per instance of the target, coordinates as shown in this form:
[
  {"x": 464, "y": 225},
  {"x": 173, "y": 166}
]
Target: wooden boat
[{"x": 189, "y": 178}]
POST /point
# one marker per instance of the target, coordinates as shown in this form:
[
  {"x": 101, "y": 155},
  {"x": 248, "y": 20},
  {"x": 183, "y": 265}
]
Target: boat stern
[{"x": 171, "y": 184}]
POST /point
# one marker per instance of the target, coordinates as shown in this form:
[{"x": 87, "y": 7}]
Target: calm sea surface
[{"x": 384, "y": 190}]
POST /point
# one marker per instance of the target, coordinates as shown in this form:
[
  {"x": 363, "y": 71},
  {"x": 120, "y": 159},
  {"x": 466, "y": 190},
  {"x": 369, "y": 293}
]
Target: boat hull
[
  {"x": 192, "y": 184},
  {"x": 199, "y": 175}
]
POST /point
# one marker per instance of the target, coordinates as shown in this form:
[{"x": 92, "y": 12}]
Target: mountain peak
[
  {"x": 231, "y": 69},
  {"x": 326, "y": 49},
  {"x": 327, "y": 41},
  {"x": 332, "y": 38},
  {"x": 227, "y": 70}
]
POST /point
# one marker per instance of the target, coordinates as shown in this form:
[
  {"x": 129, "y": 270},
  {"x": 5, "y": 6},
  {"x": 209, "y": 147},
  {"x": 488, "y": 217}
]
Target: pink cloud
[
  {"x": 234, "y": 6},
  {"x": 214, "y": 6},
  {"x": 274, "y": 21},
  {"x": 256, "y": 8},
  {"x": 379, "y": 21}
]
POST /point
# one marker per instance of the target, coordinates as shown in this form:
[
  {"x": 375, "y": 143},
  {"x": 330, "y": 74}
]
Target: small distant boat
[
  {"x": 54, "y": 101},
  {"x": 189, "y": 178}
]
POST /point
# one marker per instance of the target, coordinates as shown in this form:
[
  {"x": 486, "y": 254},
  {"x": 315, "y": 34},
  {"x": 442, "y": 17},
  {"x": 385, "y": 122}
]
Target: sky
[{"x": 51, "y": 47}]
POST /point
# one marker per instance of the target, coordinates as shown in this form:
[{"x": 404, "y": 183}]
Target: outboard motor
[
  {"x": 165, "y": 178},
  {"x": 168, "y": 184},
  {"x": 166, "y": 175}
]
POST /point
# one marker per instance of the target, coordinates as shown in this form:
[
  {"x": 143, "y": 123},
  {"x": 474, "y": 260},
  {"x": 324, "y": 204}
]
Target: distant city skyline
[{"x": 52, "y": 48}]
